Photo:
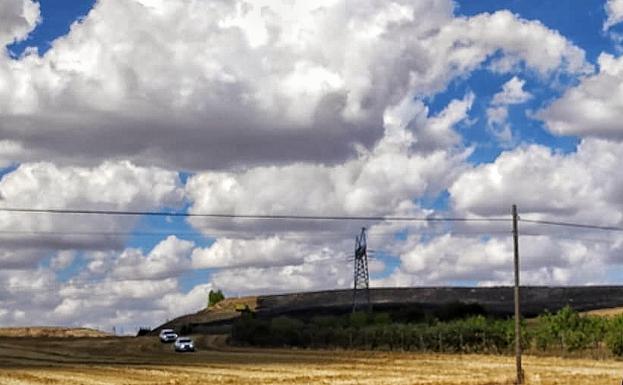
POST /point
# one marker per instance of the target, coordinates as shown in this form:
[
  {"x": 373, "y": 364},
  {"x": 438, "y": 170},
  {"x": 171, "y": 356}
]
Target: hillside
[
  {"x": 211, "y": 319},
  {"x": 493, "y": 300}
]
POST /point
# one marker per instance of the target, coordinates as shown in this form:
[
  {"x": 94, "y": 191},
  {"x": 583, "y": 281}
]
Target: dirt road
[{"x": 132, "y": 361}]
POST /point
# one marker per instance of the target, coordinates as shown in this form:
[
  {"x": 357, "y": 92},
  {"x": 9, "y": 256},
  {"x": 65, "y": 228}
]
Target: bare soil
[{"x": 144, "y": 360}]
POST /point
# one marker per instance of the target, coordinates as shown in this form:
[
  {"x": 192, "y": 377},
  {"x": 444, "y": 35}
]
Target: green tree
[{"x": 215, "y": 297}]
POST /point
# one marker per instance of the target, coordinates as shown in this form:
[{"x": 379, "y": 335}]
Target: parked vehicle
[
  {"x": 184, "y": 344},
  {"x": 167, "y": 335}
]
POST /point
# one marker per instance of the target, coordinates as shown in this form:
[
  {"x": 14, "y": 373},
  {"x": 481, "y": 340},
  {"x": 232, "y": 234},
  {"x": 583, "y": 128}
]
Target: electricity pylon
[{"x": 361, "y": 287}]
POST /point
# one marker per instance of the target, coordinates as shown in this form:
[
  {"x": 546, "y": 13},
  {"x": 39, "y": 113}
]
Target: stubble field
[{"x": 115, "y": 360}]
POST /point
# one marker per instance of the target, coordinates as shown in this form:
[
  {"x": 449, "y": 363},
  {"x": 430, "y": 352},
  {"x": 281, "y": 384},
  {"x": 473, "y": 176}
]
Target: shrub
[
  {"x": 568, "y": 330},
  {"x": 286, "y": 331},
  {"x": 325, "y": 321},
  {"x": 614, "y": 336},
  {"x": 358, "y": 319},
  {"x": 381, "y": 319}
]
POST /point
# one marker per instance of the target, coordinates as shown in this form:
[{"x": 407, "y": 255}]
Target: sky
[{"x": 428, "y": 108}]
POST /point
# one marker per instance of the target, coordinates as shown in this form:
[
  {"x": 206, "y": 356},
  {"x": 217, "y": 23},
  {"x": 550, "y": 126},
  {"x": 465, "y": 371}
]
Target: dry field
[{"x": 115, "y": 360}]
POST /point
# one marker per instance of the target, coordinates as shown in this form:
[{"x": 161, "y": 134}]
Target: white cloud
[
  {"x": 226, "y": 252},
  {"x": 169, "y": 258},
  {"x": 17, "y": 19},
  {"x": 576, "y": 187},
  {"x": 383, "y": 181},
  {"x": 544, "y": 260},
  {"x": 614, "y": 13},
  {"x": 312, "y": 275},
  {"x": 281, "y": 107},
  {"x": 184, "y": 83},
  {"x": 512, "y": 93},
  {"x": 497, "y": 115},
  {"x": 129, "y": 291},
  {"x": 594, "y": 108},
  {"x": 62, "y": 259},
  {"x": 579, "y": 186},
  {"x": 109, "y": 186}
]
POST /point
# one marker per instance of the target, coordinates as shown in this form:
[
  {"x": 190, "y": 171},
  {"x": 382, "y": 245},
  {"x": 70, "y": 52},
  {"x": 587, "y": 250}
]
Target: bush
[
  {"x": 326, "y": 321},
  {"x": 358, "y": 319},
  {"x": 614, "y": 336},
  {"x": 568, "y": 330},
  {"x": 286, "y": 331},
  {"x": 381, "y": 319}
]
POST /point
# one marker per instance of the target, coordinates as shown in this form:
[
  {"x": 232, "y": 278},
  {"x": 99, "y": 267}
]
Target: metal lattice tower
[{"x": 361, "y": 288}]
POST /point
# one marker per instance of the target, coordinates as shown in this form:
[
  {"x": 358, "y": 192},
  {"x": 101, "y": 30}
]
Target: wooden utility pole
[{"x": 520, "y": 379}]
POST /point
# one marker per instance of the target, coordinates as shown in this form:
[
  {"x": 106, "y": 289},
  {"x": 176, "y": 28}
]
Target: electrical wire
[
  {"x": 571, "y": 224},
  {"x": 570, "y": 237},
  {"x": 251, "y": 216},
  {"x": 233, "y": 234}
]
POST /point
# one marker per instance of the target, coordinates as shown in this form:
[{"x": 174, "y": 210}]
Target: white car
[
  {"x": 184, "y": 344},
  {"x": 167, "y": 335}
]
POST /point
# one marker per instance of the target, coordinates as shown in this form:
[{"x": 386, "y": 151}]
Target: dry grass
[
  {"x": 45, "y": 331},
  {"x": 134, "y": 361},
  {"x": 224, "y": 310},
  {"x": 610, "y": 312},
  {"x": 231, "y": 303}
]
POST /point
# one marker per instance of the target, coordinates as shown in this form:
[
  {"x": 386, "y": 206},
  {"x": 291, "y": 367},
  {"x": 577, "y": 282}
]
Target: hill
[{"x": 492, "y": 300}]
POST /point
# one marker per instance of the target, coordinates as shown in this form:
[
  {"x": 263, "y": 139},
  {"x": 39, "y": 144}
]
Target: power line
[
  {"x": 572, "y": 224},
  {"x": 252, "y": 216},
  {"x": 570, "y": 237}
]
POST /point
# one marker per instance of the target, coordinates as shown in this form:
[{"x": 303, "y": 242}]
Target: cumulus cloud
[
  {"x": 383, "y": 181},
  {"x": 614, "y": 13},
  {"x": 579, "y": 186},
  {"x": 62, "y": 259},
  {"x": 576, "y": 187},
  {"x": 109, "y": 186},
  {"x": 512, "y": 93},
  {"x": 545, "y": 260},
  {"x": 226, "y": 252},
  {"x": 281, "y": 107},
  {"x": 497, "y": 114},
  {"x": 312, "y": 275},
  {"x": 168, "y": 258},
  {"x": 130, "y": 289},
  {"x": 187, "y": 84},
  {"x": 594, "y": 108},
  {"x": 17, "y": 19}
]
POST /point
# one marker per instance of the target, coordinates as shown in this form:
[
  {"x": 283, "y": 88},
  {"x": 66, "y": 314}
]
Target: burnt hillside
[{"x": 495, "y": 300}]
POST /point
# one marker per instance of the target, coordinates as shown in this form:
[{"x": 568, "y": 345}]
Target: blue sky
[
  {"x": 210, "y": 109},
  {"x": 57, "y": 17}
]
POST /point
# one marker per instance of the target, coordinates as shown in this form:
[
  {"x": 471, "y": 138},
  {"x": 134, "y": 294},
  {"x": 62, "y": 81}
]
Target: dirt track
[{"x": 145, "y": 361}]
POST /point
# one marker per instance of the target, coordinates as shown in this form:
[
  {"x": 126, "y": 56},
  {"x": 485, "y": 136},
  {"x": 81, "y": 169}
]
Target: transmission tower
[{"x": 361, "y": 287}]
